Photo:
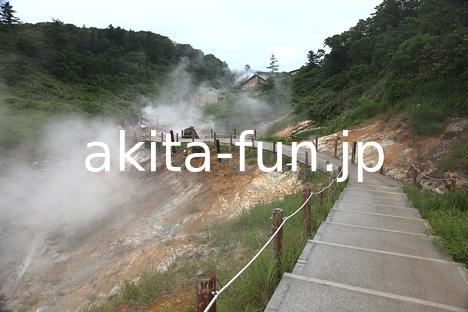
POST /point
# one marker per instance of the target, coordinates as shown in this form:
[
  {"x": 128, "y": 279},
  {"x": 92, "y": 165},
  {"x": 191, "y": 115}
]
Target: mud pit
[{"x": 145, "y": 229}]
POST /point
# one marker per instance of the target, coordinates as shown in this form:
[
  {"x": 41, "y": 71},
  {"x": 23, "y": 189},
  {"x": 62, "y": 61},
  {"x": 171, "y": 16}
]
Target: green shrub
[{"x": 448, "y": 216}]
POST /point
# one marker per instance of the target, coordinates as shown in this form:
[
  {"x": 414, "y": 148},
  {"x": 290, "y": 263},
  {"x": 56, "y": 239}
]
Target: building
[
  {"x": 254, "y": 81},
  {"x": 208, "y": 96},
  {"x": 294, "y": 72}
]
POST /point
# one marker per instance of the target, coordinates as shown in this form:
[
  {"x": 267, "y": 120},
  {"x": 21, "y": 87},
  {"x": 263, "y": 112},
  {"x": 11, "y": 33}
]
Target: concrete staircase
[{"x": 372, "y": 254}]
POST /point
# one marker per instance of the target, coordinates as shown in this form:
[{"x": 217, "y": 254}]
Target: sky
[{"x": 238, "y": 32}]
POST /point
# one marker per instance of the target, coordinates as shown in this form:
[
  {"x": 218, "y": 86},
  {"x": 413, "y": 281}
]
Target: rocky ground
[
  {"x": 147, "y": 230},
  {"x": 402, "y": 149}
]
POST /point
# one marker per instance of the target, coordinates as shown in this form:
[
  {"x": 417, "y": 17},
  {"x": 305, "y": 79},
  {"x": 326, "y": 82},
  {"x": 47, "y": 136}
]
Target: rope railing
[{"x": 260, "y": 251}]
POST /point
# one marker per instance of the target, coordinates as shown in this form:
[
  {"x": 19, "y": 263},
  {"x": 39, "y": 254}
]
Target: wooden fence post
[
  {"x": 173, "y": 150},
  {"x": 255, "y": 133},
  {"x": 320, "y": 195},
  {"x": 253, "y": 142},
  {"x": 316, "y": 144},
  {"x": 335, "y": 153},
  {"x": 214, "y": 138},
  {"x": 193, "y": 136},
  {"x": 330, "y": 188},
  {"x": 235, "y": 133},
  {"x": 353, "y": 153},
  {"x": 453, "y": 184},
  {"x": 206, "y": 288},
  {"x": 307, "y": 224},
  {"x": 230, "y": 140},
  {"x": 276, "y": 221},
  {"x": 218, "y": 149},
  {"x": 211, "y": 133},
  {"x": 415, "y": 176},
  {"x": 177, "y": 137}
]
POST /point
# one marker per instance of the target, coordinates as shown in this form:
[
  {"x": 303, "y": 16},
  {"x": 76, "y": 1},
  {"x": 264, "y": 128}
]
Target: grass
[
  {"x": 272, "y": 138},
  {"x": 230, "y": 246},
  {"x": 448, "y": 215},
  {"x": 456, "y": 158}
]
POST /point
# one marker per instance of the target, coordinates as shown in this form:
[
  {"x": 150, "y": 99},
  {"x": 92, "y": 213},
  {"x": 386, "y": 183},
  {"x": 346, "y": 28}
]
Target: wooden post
[
  {"x": 320, "y": 196},
  {"x": 230, "y": 140},
  {"x": 353, "y": 153},
  {"x": 177, "y": 137},
  {"x": 173, "y": 150},
  {"x": 316, "y": 144},
  {"x": 307, "y": 224},
  {"x": 306, "y": 156},
  {"x": 274, "y": 146},
  {"x": 276, "y": 221},
  {"x": 211, "y": 133},
  {"x": 214, "y": 138},
  {"x": 335, "y": 153},
  {"x": 255, "y": 133},
  {"x": 453, "y": 184},
  {"x": 339, "y": 173},
  {"x": 218, "y": 149},
  {"x": 181, "y": 133},
  {"x": 253, "y": 141},
  {"x": 415, "y": 176},
  {"x": 193, "y": 136},
  {"x": 235, "y": 133},
  {"x": 206, "y": 288},
  {"x": 330, "y": 188}
]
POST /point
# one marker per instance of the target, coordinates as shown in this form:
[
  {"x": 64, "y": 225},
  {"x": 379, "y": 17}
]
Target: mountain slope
[{"x": 409, "y": 55}]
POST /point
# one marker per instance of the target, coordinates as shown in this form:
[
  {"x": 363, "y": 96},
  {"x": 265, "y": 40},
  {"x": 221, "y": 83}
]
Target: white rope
[{"x": 235, "y": 277}]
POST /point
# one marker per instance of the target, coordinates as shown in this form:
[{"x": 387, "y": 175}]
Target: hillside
[
  {"x": 59, "y": 67},
  {"x": 409, "y": 55}
]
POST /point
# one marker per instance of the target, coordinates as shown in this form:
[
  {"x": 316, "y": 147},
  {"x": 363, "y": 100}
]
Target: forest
[
  {"x": 58, "y": 67},
  {"x": 409, "y": 55}
]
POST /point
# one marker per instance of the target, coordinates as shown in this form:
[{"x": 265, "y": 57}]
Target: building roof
[
  {"x": 262, "y": 77},
  {"x": 209, "y": 90}
]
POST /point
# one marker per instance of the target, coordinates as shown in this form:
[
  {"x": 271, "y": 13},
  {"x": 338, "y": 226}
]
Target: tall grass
[
  {"x": 448, "y": 215},
  {"x": 456, "y": 158},
  {"x": 230, "y": 246}
]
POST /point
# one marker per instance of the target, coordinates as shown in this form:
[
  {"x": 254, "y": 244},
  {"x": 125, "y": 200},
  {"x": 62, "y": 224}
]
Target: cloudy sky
[{"x": 237, "y": 31}]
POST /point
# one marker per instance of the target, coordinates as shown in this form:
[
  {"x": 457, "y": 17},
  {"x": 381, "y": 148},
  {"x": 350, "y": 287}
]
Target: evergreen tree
[
  {"x": 315, "y": 59},
  {"x": 247, "y": 67},
  {"x": 7, "y": 14},
  {"x": 273, "y": 64}
]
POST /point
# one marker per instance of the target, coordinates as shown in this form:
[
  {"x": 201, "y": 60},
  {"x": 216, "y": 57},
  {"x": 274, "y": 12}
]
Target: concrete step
[
  {"x": 385, "y": 200},
  {"x": 386, "y": 222},
  {"x": 377, "y": 189},
  {"x": 422, "y": 278},
  {"x": 395, "y": 211},
  {"x": 374, "y": 203},
  {"x": 373, "y": 193},
  {"x": 374, "y": 238},
  {"x": 302, "y": 294}
]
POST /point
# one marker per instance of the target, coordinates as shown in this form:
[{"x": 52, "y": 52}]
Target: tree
[
  {"x": 7, "y": 14},
  {"x": 315, "y": 59},
  {"x": 273, "y": 64},
  {"x": 247, "y": 67}
]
